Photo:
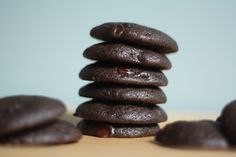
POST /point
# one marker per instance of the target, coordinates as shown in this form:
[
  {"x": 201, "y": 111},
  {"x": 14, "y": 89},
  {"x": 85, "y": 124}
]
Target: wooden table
[{"x": 114, "y": 147}]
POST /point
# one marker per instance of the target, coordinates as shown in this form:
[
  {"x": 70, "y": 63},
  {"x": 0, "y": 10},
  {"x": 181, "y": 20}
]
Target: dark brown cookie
[
  {"x": 100, "y": 129},
  {"x": 123, "y": 93},
  {"x": 228, "y": 121},
  {"x": 100, "y": 72},
  {"x": 122, "y": 53},
  {"x": 204, "y": 134},
  {"x": 120, "y": 113},
  {"x": 23, "y": 112},
  {"x": 58, "y": 132},
  {"x": 135, "y": 34}
]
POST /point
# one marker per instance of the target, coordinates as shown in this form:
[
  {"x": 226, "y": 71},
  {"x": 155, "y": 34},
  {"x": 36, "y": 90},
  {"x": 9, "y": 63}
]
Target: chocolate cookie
[
  {"x": 228, "y": 121},
  {"x": 123, "y": 93},
  {"x": 58, "y": 132},
  {"x": 135, "y": 34},
  {"x": 121, "y": 53},
  {"x": 120, "y": 113},
  {"x": 23, "y": 112},
  {"x": 123, "y": 75},
  {"x": 101, "y": 129},
  {"x": 205, "y": 134}
]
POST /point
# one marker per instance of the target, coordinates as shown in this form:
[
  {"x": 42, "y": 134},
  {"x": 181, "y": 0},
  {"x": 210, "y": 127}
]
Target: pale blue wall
[{"x": 41, "y": 45}]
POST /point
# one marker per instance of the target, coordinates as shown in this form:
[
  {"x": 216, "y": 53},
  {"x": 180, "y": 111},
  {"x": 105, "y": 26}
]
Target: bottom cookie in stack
[
  {"x": 112, "y": 119},
  {"x": 103, "y": 129}
]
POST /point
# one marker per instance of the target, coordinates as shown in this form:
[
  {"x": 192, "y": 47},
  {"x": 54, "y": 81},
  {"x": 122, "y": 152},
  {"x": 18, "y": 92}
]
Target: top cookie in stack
[{"x": 127, "y": 77}]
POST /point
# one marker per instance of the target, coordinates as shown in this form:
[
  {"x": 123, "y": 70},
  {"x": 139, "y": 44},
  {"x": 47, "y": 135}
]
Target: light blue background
[{"x": 41, "y": 45}]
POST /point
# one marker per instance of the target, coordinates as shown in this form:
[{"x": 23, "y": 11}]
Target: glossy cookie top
[{"x": 135, "y": 34}]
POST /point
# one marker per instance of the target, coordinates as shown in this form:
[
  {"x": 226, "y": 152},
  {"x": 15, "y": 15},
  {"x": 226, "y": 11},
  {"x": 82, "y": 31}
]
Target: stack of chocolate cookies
[{"x": 127, "y": 77}]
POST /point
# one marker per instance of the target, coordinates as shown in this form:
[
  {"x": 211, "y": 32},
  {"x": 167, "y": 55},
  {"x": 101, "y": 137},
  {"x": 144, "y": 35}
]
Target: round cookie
[
  {"x": 204, "y": 134},
  {"x": 123, "y": 93},
  {"x": 23, "y": 112},
  {"x": 228, "y": 121},
  {"x": 120, "y": 113},
  {"x": 122, "y": 53},
  {"x": 58, "y": 132},
  {"x": 100, "y": 129},
  {"x": 135, "y": 34},
  {"x": 100, "y": 72}
]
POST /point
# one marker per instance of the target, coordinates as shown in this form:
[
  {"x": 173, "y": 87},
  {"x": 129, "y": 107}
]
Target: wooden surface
[{"x": 114, "y": 147}]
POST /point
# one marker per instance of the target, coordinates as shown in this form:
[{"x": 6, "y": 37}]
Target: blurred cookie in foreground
[
  {"x": 59, "y": 132},
  {"x": 192, "y": 134},
  {"x": 228, "y": 121},
  {"x": 103, "y": 129},
  {"x": 33, "y": 120},
  {"x": 24, "y": 112}
]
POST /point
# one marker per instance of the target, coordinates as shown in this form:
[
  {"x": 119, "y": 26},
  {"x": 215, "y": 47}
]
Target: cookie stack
[
  {"x": 33, "y": 120},
  {"x": 127, "y": 77}
]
